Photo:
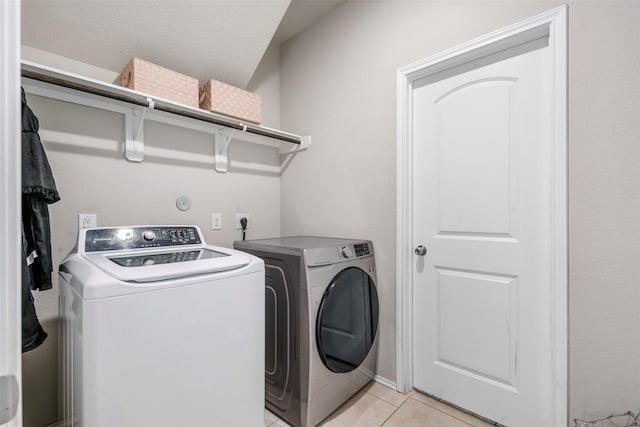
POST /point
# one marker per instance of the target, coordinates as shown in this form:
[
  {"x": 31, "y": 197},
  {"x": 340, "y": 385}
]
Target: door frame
[
  {"x": 10, "y": 217},
  {"x": 553, "y": 24}
]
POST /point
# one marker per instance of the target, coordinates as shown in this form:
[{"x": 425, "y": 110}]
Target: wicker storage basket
[
  {"x": 162, "y": 82},
  {"x": 231, "y": 101}
]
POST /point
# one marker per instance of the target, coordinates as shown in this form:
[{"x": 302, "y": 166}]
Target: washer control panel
[{"x": 118, "y": 238}]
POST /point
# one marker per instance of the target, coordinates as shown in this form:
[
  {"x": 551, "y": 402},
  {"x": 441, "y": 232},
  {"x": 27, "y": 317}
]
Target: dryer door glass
[{"x": 347, "y": 320}]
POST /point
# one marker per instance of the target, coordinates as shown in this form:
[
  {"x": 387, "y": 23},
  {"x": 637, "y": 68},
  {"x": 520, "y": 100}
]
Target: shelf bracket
[
  {"x": 222, "y": 139},
  {"x": 134, "y": 124},
  {"x": 294, "y": 148},
  {"x": 135, "y": 107}
]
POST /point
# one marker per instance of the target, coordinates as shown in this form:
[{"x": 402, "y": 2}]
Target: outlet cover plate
[
  {"x": 239, "y": 217},
  {"x": 87, "y": 221}
]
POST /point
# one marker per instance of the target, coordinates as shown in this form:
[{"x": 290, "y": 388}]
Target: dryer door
[{"x": 347, "y": 320}]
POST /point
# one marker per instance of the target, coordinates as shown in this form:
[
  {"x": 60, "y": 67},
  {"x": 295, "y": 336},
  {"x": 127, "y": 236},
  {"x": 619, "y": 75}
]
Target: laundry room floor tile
[
  {"x": 269, "y": 418},
  {"x": 416, "y": 414},
  {"x": 377, "y": 405},
  {"x": 363, "y": 410},
  {"x": 450, "y": 410},
  {"x": 385, "y": 393}
]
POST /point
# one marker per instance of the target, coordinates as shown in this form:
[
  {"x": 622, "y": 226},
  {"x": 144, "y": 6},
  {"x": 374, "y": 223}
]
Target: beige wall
[
  {"x": 85, "y": 149},
  {"x": 604, "y": 207},
  {"x": 338, "y": 84}
]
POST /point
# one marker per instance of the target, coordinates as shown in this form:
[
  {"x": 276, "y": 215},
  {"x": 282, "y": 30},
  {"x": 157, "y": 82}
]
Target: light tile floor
[{"x": 377, "y": 405}]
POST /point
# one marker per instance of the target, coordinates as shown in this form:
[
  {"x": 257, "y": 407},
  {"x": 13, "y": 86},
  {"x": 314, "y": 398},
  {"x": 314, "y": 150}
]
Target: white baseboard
[{"x": 385, "y": 382}]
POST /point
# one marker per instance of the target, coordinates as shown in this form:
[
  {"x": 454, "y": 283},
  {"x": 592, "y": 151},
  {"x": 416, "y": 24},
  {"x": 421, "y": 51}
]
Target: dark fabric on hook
[
  {"x": 38, "y": 191},
  {"x": 32, "y": 333}
]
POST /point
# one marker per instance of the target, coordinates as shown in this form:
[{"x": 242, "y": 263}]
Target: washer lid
[{"x": 157, "y": 265}]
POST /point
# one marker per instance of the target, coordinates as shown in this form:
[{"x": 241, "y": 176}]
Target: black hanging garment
[{"x": 38, "y": 191}]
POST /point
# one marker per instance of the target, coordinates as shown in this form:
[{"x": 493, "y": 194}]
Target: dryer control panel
[
  {"x": 335, "y": 254},
  {"x": 361, "y": 249},
  {"x": 139, "y": 237}
]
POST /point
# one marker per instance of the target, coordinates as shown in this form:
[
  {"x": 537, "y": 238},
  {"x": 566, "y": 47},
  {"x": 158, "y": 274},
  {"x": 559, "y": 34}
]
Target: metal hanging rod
[
  {"x": 138, "y": 107},
  {"x": 62, "y": 78}
]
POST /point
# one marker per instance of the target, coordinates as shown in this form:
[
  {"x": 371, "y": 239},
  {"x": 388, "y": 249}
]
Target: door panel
[
  {"x": 475, "y": 337},
  {"x": 478, "y": 180},
  {"x": 482, "y": 203}
]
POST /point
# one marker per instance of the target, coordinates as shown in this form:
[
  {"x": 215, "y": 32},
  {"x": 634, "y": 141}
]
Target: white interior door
[{"x": 483, "y": 201}]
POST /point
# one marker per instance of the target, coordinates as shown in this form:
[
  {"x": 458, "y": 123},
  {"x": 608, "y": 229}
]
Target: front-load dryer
[
  {"x": 321, "y": 323},
  {"x": 160, "y": 329}
]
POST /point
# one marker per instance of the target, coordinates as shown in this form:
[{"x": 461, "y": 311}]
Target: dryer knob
[{"x": 346, "y": 252}]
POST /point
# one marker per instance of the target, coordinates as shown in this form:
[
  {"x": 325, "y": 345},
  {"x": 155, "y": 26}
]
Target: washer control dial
[
  {"x": 149, "y": 261},
  {"x": 149, "y": 235},
  {"x": 346, "y": 252}
]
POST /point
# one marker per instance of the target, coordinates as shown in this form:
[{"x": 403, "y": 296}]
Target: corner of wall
[{"x": 266, "y": 83}]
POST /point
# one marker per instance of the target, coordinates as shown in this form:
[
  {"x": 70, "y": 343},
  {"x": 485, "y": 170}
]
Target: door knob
[{"x": 420, "y": 251}]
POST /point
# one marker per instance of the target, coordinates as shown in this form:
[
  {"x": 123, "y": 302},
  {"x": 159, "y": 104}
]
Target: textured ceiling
[
  {"x": 221, "y": 39},
  {"x": 205, "y": 39}
]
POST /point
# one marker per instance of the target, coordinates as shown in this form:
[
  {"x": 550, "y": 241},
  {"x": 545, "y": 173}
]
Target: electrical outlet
[
  {"x": 87, "y": 221},
  {"x": 239, "y": 217},
  {"x": 216, "y": 221}
]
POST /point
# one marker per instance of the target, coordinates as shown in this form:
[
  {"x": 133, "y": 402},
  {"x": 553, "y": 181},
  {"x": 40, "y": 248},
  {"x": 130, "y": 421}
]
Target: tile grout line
[
  {"x": 390, "y": 403},
  {"x": 394, "y": 411},
  {"x": 461, "y": 410},
  {"x": 396, "y": 408},
  {"x": 446, "y": 413}
]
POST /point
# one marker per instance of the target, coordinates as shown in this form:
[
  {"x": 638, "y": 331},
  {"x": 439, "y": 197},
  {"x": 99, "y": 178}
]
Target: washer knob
[
  {"x": 149, "y": 235},
  {"x": 346, "y": 252}
]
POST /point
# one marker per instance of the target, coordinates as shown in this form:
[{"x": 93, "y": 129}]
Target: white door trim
[
  {"x": 10, "y": 229},
  {"x": 553, "y": 24}
]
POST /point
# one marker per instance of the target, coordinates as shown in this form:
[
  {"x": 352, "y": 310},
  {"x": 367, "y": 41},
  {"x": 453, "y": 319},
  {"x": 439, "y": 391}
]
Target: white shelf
[{"x": 137, "y": 107}]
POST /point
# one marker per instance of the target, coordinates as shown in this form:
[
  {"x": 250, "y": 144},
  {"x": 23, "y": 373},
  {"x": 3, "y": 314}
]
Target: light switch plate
[{"x": 216, "y": 221}]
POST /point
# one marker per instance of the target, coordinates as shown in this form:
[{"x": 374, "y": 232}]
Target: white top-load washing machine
[{"x": 160, "y": 329}]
